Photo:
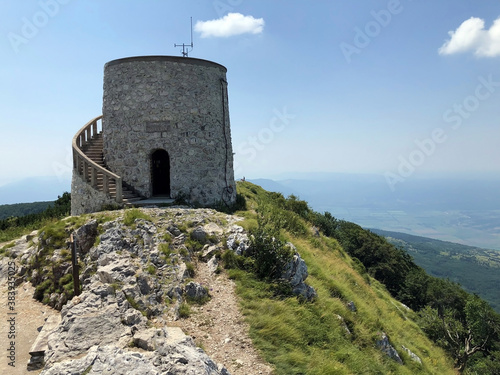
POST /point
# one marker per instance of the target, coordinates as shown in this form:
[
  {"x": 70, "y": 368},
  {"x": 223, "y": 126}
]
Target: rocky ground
[
  {"x": 137, "y": 280},
  {"x": 219, "y": 327}
]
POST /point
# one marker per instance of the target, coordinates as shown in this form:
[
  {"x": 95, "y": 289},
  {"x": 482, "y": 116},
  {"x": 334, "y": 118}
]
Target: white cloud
[
  {"x": 229, "y": 25},
  {"x": 472, "y": 36}
]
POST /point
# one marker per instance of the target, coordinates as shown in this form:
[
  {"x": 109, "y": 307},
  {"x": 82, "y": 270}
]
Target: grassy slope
[
  {"x": 308, "y": 338},
  {"x": 14, "y": 227},
  {"x": 474, "y": 268}
]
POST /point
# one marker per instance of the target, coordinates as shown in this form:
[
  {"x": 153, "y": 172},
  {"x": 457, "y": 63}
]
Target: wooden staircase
[
  {"x": 88, "y": 163},
  {"x": 94, "y": 150}
]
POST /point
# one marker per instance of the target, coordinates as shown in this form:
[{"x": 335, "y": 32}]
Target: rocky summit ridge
[{"x": 138, "y": 280}]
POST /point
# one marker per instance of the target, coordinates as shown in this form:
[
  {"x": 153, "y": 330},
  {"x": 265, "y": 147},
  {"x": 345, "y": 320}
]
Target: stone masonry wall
[
  {"x": 85, "y": 199},
  {"x": 176, "y": 104}
]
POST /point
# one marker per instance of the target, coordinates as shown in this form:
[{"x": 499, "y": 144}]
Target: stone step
[
  {"x": 40, "y": 346},
  {"x": 131, "y": 199}
]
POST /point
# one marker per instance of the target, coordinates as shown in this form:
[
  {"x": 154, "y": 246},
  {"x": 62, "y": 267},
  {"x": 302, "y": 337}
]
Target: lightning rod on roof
[{"x": 185, "y": 46}]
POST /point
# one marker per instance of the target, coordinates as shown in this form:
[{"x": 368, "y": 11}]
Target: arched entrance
[{"x": 160, "y": 173}]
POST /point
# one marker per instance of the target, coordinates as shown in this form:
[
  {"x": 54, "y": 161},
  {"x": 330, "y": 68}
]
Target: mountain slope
[
  {"x": 476, "y": 269},
  {"x": 137, "y": 269},
  {"x": 338, "y": 333}
]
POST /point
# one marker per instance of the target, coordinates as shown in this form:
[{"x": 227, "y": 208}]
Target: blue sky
[{"x": 326, "y": 86}]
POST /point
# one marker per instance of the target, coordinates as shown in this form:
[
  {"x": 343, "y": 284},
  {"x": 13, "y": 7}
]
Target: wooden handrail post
[
  {"x": 85, "y": 171},
  {"x": 119, "y": 194},
  {"x": 93, "y": 177},
  {"x": 105, "y": 184}
]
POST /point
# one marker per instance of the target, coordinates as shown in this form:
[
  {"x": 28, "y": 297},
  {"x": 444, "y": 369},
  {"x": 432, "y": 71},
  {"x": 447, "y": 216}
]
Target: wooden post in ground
[{"x": 74, "y": 262}]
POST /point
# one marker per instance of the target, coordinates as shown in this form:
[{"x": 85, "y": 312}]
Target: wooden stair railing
[{"x": 97, "y": 176}]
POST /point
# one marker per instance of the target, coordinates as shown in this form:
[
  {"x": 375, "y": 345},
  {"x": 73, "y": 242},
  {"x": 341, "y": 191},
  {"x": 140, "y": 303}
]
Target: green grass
[
  {"x": 167, "y": 237},
  {"x": 307, "y": 337},
  {"x": 151, "y": 269},
  {"x": 132, "y": 214},
  {"x": 7, "y": 247},
  {"x": 25, "y": 220},
  {"x": 54, "y": 237},
  {"x": 165, "y": 249},
  {"x": 194, "y": 245},
  {"x": 190, "y": 269},
  {"x": 184, "y": 310}
]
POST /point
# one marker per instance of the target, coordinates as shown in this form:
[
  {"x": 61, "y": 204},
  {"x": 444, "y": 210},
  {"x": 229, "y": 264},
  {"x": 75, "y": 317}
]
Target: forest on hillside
[
  {"x": 475, "y": 269},
  {"x": 22, "y": 209},
  {"x": 13, "y": 226}
]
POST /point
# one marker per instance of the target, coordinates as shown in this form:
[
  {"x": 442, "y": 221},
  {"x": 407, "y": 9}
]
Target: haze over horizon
[{"x": 395, "y": 88}]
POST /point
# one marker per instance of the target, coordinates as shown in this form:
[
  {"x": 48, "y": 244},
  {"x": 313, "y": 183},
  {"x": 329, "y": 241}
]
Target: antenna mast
[{"x": 185, "y": 46}]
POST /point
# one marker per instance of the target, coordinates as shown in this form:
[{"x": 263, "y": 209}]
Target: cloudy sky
[{"x": 398, "y": 88}]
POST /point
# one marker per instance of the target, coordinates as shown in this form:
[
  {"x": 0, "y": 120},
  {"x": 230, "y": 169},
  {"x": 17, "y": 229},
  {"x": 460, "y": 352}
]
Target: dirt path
[
  {"x": 219, "y": 327},
  {"x": 30, "y": 317}
]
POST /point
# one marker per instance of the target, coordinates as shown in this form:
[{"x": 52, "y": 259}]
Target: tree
[
  {"x": 476, "y": 333},
  {"x": 414, "y": 290}
]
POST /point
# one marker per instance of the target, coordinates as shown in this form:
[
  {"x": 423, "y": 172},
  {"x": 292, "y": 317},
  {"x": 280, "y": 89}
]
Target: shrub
[
  {"x": 296, "y": 205},
  {"x": 270, "y": 254},
  {"x": 233, "y": 261},
  {"x": 14, "y": 227}
]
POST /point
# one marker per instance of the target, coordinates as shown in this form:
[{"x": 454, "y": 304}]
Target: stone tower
[{"x": 165, "y": 129}]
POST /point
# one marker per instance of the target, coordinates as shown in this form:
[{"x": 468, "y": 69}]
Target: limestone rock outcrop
[
  {"x": 295, "y": 273},
  {"x": 134, "y": 277},
  {"x": 131, "y": 287},
  {"x": 386, "y": 347}
]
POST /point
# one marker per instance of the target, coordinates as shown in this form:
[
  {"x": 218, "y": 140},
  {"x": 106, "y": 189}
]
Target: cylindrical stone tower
[{"x": 166, "y": 128}]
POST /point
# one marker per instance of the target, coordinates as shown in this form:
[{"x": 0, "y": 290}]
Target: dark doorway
[{"x": 160, "y": 173}]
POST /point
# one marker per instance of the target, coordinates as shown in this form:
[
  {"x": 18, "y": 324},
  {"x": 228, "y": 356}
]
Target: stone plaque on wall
[{"x": 157, "y": 126}]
